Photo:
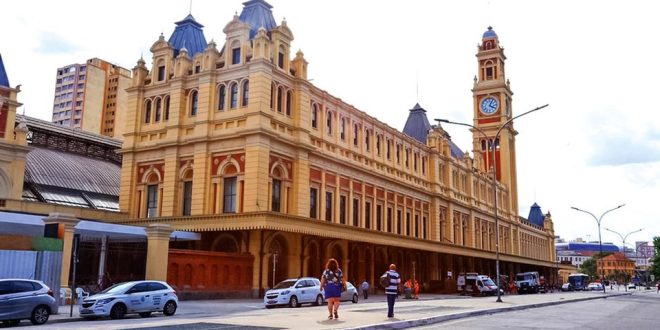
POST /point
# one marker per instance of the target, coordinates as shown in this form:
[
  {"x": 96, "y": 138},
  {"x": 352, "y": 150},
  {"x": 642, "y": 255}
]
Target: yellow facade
[
  {"x": 13, "y": 146},
  {"x": 252, "y": 150},
  {"x": 613, "y": 265}
]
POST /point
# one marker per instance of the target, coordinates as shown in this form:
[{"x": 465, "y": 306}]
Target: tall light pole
[
  {"x": 600, "y": 242},
  {"x": 492, "y": 144},
  {"x": 623, "y": 241}
]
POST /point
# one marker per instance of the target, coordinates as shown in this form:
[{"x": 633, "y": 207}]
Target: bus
[{"x": 579, "y": 281}]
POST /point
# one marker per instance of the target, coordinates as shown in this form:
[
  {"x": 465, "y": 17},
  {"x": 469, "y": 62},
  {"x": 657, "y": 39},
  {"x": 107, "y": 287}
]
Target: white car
[
  {"x": 595, "y": 287},
  {"x": 351, "y": 293},
  {"x": 141, "y": 297},
  {"x": 632, "y": 286},
  {"x": 294, "y": 292}
]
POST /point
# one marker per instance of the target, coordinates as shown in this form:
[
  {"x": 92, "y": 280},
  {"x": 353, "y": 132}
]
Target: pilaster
[{"x": 158, "y": 245}]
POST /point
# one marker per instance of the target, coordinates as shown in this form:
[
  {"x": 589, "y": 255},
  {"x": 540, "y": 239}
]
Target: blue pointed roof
[
  {"x": 257, "y": 14},
  {"x": 536, "y": 215},
  {"x": 4, "y": 81},
  {"x": 418, "y": 126},
  {"x": 489, "y": 33},
  {"x": 188, "y": 34}
]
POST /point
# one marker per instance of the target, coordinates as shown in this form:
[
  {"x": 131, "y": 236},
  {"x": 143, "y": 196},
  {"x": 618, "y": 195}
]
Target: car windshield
[
  {"x": 118, "y": 288},
  {"x": 488, "y": 282},
  {"x": 524, "y": 277},
  {"x": 285, "y": 284}
]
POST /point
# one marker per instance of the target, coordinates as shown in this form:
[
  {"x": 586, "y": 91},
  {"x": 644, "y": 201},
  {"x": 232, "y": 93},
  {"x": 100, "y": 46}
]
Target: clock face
[{"x": 489, "y": 105}]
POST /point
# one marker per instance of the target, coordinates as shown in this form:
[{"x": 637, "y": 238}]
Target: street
[{"x": 637, "y": 311}]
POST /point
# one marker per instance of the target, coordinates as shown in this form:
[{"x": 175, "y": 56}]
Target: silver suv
[
  {"x": 25, "y": 299},
  {"x": 141, "y": 297}
]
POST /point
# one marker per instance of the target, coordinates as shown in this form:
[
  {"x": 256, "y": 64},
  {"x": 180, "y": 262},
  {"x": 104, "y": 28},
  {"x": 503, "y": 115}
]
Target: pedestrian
[
  {"x": 393, "y": 289},
  {"x": 365, "y": 289},
  {"x": 416, "y": 290},
  {"x": 332, "y": 284}
]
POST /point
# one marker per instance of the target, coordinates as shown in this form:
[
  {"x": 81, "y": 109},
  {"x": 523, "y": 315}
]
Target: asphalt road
[{"x": 639, "y": 311}]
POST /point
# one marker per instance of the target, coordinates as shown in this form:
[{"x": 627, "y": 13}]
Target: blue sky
[{"x": 595, "y": 147}]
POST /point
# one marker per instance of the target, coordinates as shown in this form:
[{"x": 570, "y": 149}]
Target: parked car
[
  {"x": 141, "y": 297},
  {"x": 25, "y": 299},
  {"x": 351, "y": 293},
  {"x": 632, "y": 286},
  {"x": 566, "y": 287},
  {"x": 294, "y": 292},
  {"x": 595, "y": 286}
]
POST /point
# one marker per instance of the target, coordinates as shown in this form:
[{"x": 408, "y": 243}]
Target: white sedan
[
  {"x": 141, "y": 297},
  {"x": 294, "y": 292},
  {"x": 595, "y": 287}
]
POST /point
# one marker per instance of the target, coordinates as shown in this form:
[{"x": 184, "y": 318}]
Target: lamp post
[
  {"x": 492, "y": 145},
  {"x": 623, "y": 241},
  {"x": 600, "y": 242}
]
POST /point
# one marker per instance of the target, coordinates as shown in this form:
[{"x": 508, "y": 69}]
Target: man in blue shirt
[
  {"x": 365, "y": 289},
  {"x": 393, "y": 289}
]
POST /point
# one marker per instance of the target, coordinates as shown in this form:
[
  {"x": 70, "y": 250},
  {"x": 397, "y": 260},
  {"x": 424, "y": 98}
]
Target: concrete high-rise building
[{"x": 92, "y": 97}]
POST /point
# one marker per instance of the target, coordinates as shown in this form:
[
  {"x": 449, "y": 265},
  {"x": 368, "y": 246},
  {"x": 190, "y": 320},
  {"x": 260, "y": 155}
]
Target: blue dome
[
  {"x": 188, "y": 34},
  {"x": 490, "y": 33}
]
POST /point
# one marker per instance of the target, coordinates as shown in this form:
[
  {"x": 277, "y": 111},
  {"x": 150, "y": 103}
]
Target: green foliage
[{"x": 655, "y": 261}]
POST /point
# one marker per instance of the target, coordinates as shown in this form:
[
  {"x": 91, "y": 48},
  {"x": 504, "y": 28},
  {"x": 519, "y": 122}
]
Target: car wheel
[
  {"x": 39, "y": 315},
  {"x": 145, "y": 314},
  {"x": 170, "y": 308},
  {"x": 319, "y": 300},
  {"x": 118, "y": 311},
  {"x": 355, "y": 298},
  {"x": 294, "y": 302}
]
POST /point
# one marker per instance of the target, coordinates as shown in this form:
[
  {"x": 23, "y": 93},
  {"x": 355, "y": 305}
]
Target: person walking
[
  {"x": 392, "y": 289},
  {"x": 365, "y": 289},
  {"x": 332, "y": 283}
]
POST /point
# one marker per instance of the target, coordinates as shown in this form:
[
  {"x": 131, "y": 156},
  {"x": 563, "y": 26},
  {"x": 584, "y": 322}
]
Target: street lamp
[
  {"x": 600, "y": 242},
  {"x": 623, "y": 240},
  {"x": 491, "y": 145}
]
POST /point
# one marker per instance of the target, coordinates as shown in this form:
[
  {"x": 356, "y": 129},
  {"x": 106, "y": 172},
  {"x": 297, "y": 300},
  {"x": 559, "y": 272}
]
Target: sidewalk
[{"x": 369, "y": 314}]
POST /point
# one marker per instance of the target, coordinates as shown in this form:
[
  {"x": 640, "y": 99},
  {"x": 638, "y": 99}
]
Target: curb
[{"x": 480, "y": 312}]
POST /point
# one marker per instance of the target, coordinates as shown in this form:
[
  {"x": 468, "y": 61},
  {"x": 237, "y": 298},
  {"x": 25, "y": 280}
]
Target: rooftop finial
[{"x": 190, "y": 8}]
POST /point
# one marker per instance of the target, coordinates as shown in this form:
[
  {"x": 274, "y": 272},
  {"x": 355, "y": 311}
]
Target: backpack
[{"x": 385, "y": 280}]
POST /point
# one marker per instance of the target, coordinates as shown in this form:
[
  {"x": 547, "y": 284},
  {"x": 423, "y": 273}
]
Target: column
[
  {"x": 104, "y": 254},
  {"x": 69, "y": 222},
  {"x": 158, "y": 245}
]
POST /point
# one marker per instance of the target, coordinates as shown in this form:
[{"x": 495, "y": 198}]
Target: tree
[{"x": 655, "y": 261}]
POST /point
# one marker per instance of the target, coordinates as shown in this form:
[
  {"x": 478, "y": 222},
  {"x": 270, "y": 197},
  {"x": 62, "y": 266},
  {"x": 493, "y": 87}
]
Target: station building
[{"x": 232, "y": 141}]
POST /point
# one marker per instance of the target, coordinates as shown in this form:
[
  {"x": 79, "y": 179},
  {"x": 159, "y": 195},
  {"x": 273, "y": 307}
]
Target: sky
[{"x": 595, "y": 147}]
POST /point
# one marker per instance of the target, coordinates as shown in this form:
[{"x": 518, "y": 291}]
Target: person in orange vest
[
  {"x": 416, "y": 290},
  {"x": 407, "y": 289}
]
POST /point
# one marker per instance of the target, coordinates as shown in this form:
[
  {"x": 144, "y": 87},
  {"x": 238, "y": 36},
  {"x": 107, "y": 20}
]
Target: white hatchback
[
  {"x": 294, "y": 292},
  {"x": 141, "y": 297}
]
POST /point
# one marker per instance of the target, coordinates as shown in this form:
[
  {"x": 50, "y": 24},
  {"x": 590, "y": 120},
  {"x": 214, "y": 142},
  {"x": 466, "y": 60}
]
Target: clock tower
[{"x": 492, "y": 108}]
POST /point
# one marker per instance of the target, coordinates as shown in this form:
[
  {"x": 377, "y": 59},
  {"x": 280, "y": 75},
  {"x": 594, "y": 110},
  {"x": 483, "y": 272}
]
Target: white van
[{"x": 467, "y": 281}]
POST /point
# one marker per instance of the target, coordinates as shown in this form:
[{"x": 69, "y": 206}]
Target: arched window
[
  {"x": 187, "y": 192},
  {"x": 289, "y": 99},
  {"x": 234, "y": 95},
  {"x": 246, "y": 89},
  {"x": 147, "y": 112},
  {"x": 280, "y": 94},
  {"x": 222, "y": 95},
  {"x": 315, "y": 113},
  {"x": 167, "y": 107},
  {"x": 158, "y": 110},
  {"x": 489, "y": 70},
  {"x": 193, "y": 103},
  {"x": 229, "y": 195}
]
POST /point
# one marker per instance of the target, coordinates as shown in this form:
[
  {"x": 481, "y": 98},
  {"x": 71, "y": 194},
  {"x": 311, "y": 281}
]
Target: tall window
[
  {"x": 379, "y": 217},
  {"x": 398, "y": 221},
  {"x": 158, "y": 111},
  {"x": 167, "y": 108},
  {"x": 367, "y": 215},
  {"x": 378, "y": 138},
  {"x": 280, "y": 60},
  {"x": 315, "y": 114},
  {"x": 355, "y": 134},
  {"x": 152, "y": 200},
  {"x": 389, "y": 219},
  {"x": 161, "y": 73},
  {"x": 425, "y": 223},
  {"x": 276, "y": 194},
  {"x": 229, "y": 195},
  {"x": 236, "y": 56},
  {"x": 280, "y": 95},
  {"x": 408, "y": 223},
  {"x": 187, "y": 197},
  {"x": 313, "y": 195},
  {"x": 234, "y": 95},
  {"x": 246, "y": 91},
  {"x": 328, "y": 206},
  {"x": 342, "y": 129},
  {"x": 356, "y": 212},
  {"x": 289, "y": 99},
  {"x": 416, "y": 225},
  {"x": 193, "y": 103},
  {"x": 222, "y": 95},
  {"x": 147, "y": 112},
  {"x": 366, "y": 140},
  {"x": 329, "y": 123},
  {"x": 342, "y": 210},
  {"x": 388, "y": 149}
]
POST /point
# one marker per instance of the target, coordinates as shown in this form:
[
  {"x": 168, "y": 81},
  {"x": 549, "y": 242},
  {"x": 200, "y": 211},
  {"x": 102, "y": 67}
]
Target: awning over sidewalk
[{"x": 13, "y": 223}]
